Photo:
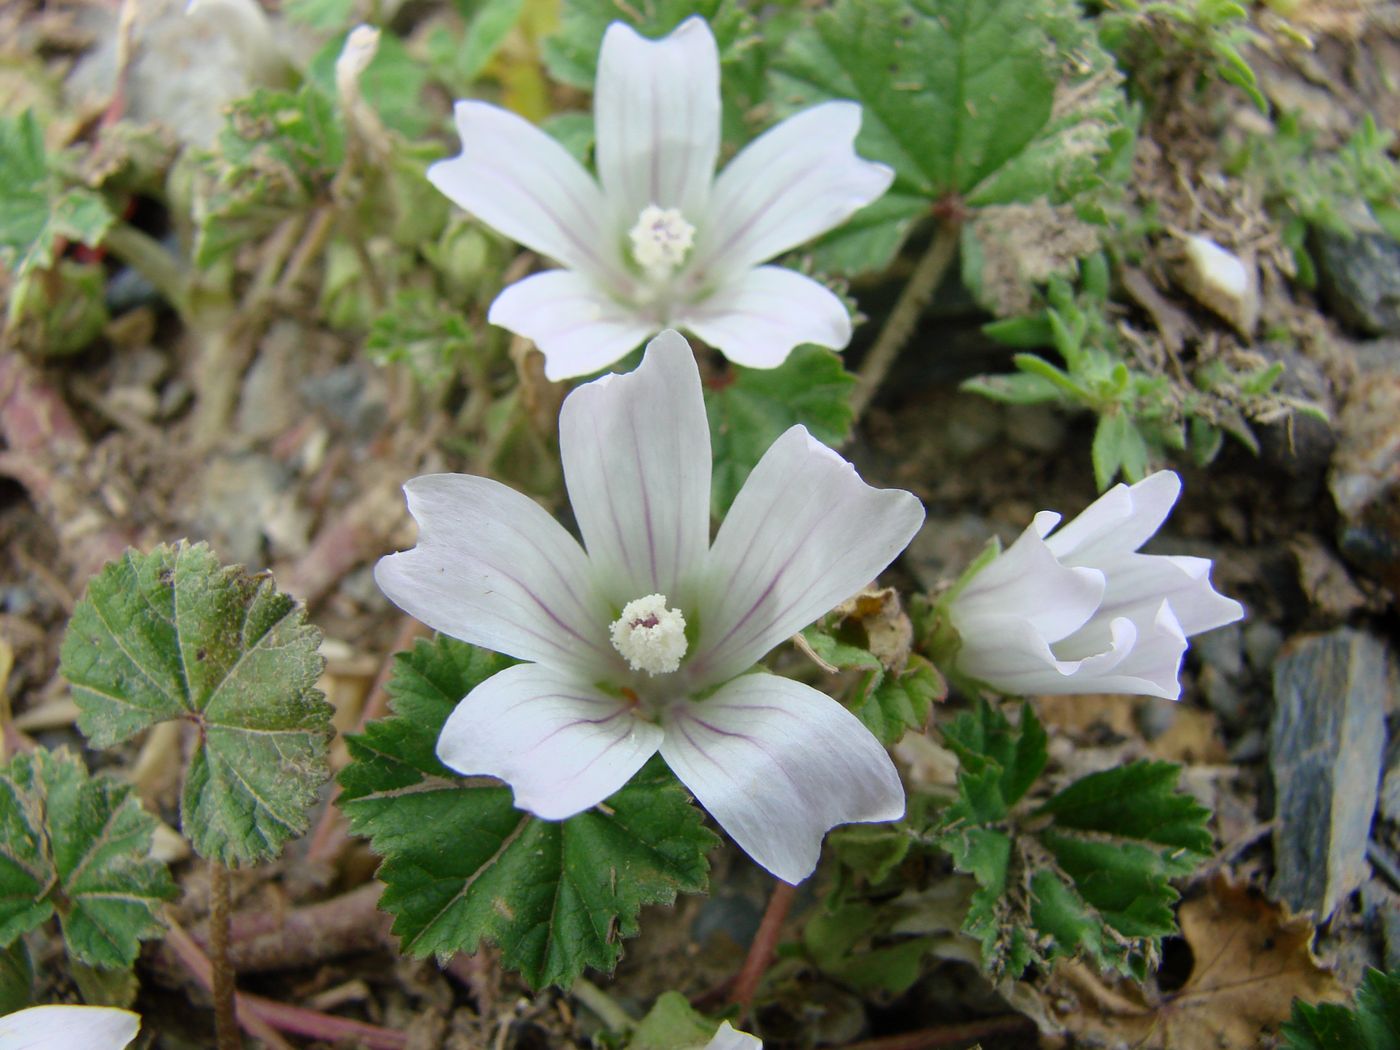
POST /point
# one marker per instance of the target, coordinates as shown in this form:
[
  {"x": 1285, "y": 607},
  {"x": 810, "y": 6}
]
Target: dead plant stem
[
  {"x": 946, "y": 1035},
  {"x": 904, "y": 318},
  {"x": 225, "y": 1016}
]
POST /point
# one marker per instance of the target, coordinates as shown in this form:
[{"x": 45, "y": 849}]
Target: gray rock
[
  {"x": 1262, "y": 641},
  {"x": 1390, "y": 785},
  {"x": 1325, "y": 749},
  {"x": 1359, "y": 277},
  {"x": 236, "y": 494}
]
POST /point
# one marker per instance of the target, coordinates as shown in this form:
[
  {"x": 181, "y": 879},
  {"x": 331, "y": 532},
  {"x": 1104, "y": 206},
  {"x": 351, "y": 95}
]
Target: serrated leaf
[
  {"x": 1373, "y": 1023},
  {"x": 275, "y": 157},
  {"x": 175, "y": 635},
  {"x": 463, "y": 865},
  {"x": 887, "y": 704},
  {"x": 36, "y": 210},
  {"x": 672, "y": 1024},
  {"x": 79, "y": 847},
  {"x": 1118, "y": 446},
  {"x": 421, "y": 332},
  {"x": 960, "y": 98},
  {"x": 1087, "y": 872},
  {"x": 16, "y": 978},
  {"x": 751, "y": 407}
]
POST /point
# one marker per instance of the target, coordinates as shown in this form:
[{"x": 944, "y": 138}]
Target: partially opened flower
[
  {"x": 1078, "y": 610},
  {"x": 657, "y": 241},
  {"x": 75, "y": 1027},
  {"x": 638, "y": 640}
]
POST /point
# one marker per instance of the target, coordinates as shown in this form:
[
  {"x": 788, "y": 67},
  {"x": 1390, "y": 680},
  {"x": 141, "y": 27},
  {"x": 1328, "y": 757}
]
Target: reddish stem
[
  {"x": 765, "y": 943},
  {"x": 199, "y": 966}
]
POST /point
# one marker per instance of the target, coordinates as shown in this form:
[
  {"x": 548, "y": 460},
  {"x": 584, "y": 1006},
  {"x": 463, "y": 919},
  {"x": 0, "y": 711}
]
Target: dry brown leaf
[
  {"x": 889, "y": 634},
  {"x": 1251, "y": 962}
]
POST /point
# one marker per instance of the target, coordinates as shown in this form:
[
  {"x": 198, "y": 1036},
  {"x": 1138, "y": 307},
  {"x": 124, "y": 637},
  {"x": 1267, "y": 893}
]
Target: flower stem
[
  {"x": 947, "y": 1035},
  {"x": 903, "y": 319},
  {"x": 151, "y": 260},
  {"x": 603, "y": 1006},
  {"x": 225, "y": 1017},
  {"x": 765, "y": 943}
]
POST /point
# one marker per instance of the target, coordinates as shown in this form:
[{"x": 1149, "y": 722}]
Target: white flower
[
  {"x": 1079, "y": 611},
  {"x": 657, "y": 240},
  {"x": 58, "y": 1027},
  {"x": 729, "y": 1038},
  {"x": 641, "y": 643}
]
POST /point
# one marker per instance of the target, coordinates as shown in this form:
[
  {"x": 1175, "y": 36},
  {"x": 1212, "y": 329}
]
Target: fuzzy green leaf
[
  {"x": 77, "y": 846},
  {"x": 1088, "y": 872},
  {"x": 887, "y": 704},
  {"x": 958, "y": 96},
  {"x": 275, "y": 158},
  {"x": 751, "y": 407},
  {"x": 1372, "y": 1024},
  {"x": 36, "y": 210},
  {"x": 462, "y": 864},
  {"x": 672, "y": 1024},
  {"x": 173, "y": 634}
]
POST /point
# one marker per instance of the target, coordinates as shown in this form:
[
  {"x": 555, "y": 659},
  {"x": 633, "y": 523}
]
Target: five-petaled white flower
[
  {"x": 658, "y": 241},
  {"x": 51, "y": 1027},
  {"x": 640, "y": 643},
  {"x": 1078, "y": 610}
]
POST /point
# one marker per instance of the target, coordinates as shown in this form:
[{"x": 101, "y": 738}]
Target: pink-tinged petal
[
  {"x": 560, "y": 743},
  {"x": 518, "y": 180},
  {"x": 804, "y": 534},
  {"x": 1139, "y": 583},
  {"x": 758, "y": 318},
  {"x": 1027, "y": 582},
  {"x": 729, "y": 1038},
  {"x": 778, "y": 764},
  {"x": 70, "y": 1027},
  {"x": 1121, "y": 520},
  {"x": 656, "y": 112},
  {"x": 578, "y": 328},
  {"x": 494, "y": 569},
  {"x": 636, "y": 452},
  {"x": 795, "y": 181}
]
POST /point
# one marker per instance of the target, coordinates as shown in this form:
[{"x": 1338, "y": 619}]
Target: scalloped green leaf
[
  {"x": 991, "y": 101},
  {"x": 461, "y": 865},
  {"x": 1372, "y": 1023},
  {"x": 175, "y": 635},
  {"x": 78, "y": 847},
  {"x": 1088, "y": 872},
  {"x": 749, "y": 408}
]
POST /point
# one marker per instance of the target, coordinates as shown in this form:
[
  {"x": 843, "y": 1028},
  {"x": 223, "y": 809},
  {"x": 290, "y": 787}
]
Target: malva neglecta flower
[
  {"x": 1079, "y": 610},
  {"x": 638, "y": 641},
  {"x": 51, "y": 1027},
  {"x": 657, "y": 240}
]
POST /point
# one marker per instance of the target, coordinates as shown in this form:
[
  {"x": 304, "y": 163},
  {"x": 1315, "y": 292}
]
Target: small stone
[
  {"x": 1222, "y": 282},
  {"x": 1222, "y": 695},
  {"x": 1365, "y": 476},
  {"x": 1223, "y": 649},
  {"x": 1359, "y": 277},
  {"x": 973, "y": 426},
  {"x": 1262, "y": 641},
  {"x": 1390, "y": 786},
  {"x": 1155, "y": 718},
  {"x": 1325, "y": 748}
]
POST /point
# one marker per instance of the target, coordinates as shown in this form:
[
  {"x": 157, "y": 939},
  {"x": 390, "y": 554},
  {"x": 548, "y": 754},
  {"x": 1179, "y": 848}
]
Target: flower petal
[
  {"x": 577, "y": 328},
  {"x": 777, "y": 764},
  {"x": 519, "y": 181},
  {"x": 561, "y": 744},
  {"x": 89, "y": 1027},
  {"x": 804, "y": 534},
  {"x": 760, "y": 316},
  {"x": 729, "y": 1038},
  {"x": 1121, "y": 520},
  {"x": 1138, "y": 583},
  {"x": 636, "y": 452},
  {"x": 795, "y": 181},
  {"x": 494, "y": 569},
  {"x": 1027, "y": 582},
  {"x": 656, "y": 113}
]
